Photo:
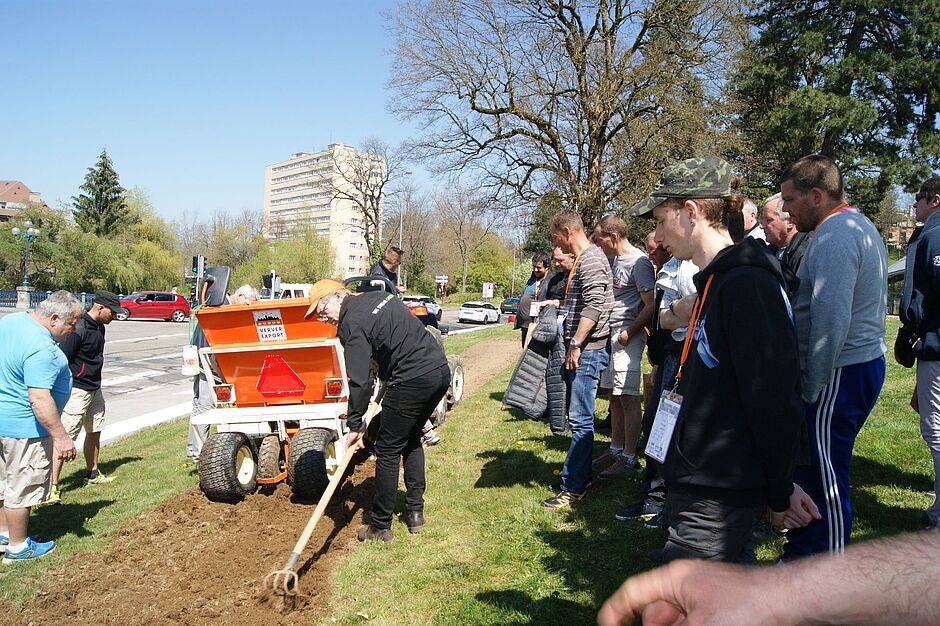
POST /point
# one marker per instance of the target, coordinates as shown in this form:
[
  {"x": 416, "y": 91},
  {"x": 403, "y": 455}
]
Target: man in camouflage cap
[{"x": 730, "y": 457}]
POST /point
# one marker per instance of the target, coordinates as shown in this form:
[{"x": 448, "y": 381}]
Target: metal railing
[{"x": 8, "y": 298}]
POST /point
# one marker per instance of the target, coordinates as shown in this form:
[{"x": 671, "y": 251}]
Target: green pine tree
[
  {"x": 855, "y": 80},
  {"x": 101, "y": 208}
]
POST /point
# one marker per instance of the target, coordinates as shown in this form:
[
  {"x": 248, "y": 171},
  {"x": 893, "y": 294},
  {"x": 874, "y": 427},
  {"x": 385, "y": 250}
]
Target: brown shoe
[
  {"x": 368, "y": 533},
  {"x": 620, "y": 467}
]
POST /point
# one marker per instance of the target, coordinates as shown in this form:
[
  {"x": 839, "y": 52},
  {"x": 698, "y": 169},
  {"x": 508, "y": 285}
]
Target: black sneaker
[
  {"x": 640, "y": 510},
  {"x": 374, "y": 534},
  {"x": 656, "y": 522},
  {"x": 414, "y": 520}
]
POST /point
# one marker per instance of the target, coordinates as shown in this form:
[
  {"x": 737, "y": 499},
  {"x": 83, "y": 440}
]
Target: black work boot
[
  {"x": 415, "y": 521},
  {"x": 374, "y": 534}
]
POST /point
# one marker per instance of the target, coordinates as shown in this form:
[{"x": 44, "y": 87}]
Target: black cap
[{"x": 109, "y": 300}]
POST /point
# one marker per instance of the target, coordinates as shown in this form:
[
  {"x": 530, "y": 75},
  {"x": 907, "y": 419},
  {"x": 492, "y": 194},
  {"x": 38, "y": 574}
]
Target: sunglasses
[
  {"x": 922, "y": 196},
  {"x": 321, "y": 307}
]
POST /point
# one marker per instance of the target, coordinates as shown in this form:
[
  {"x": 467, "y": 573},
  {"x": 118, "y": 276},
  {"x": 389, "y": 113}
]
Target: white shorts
[
  {"x": 622, "y": 376},
  {"x": 84, "y": 409},
  {"x": 25, "y": 471}
]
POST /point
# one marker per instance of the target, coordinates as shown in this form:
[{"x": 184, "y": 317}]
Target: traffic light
[{"x": 199, "y": 265}]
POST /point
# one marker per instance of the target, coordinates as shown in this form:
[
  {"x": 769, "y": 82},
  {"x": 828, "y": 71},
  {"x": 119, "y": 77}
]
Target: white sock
[
  {"x": 629, "y": 458},
  {"x": 17, "y": 548},
  {"x": 616, "y": 451}
]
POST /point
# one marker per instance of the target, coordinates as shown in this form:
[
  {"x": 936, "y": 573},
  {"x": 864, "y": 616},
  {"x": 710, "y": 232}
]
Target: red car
[{"x": 159, "y": 305}]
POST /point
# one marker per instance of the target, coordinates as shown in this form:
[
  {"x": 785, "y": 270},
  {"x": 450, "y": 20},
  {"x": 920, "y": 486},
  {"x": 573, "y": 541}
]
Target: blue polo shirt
[{"x": 29, "y": 357}]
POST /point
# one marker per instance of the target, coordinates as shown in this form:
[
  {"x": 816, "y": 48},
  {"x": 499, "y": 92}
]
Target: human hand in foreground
[
  {"x": 689, "y": 592},
  {"x": 802, "y": 511}
]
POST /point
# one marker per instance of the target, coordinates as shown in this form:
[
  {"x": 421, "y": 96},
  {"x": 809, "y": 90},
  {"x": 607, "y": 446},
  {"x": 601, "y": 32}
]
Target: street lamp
[{"x": 26, "y": 235}]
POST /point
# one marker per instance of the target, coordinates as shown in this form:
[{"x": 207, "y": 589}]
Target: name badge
[
  {"x": 533, "y": 310},
  {"x": 663, "y": 425}
]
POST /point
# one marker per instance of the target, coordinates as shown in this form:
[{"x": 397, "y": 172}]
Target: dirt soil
[{"x": 192, "y": 561}]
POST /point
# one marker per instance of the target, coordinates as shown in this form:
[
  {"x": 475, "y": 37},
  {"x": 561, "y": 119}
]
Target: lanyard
[
  {"x": 571, "y": 273},
  {"x": 841, "y": 207},
  {"x": 696, "y": 309}
]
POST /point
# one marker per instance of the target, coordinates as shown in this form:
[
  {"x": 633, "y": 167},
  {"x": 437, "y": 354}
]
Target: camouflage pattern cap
[{"x": 701, "y": 177}]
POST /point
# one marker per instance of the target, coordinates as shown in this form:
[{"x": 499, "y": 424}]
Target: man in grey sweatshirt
[{"x": 839, "y": 312}]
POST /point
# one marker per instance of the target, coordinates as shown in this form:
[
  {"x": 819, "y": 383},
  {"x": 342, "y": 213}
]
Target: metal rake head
[{"x": 282, "y": 582}]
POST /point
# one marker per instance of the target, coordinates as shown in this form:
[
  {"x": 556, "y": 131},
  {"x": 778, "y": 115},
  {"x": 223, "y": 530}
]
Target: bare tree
[
  {"x": 467, "y": 219},
  {"x": 532, "y": 93},
  {"x": 362, "y": 178},
  {"x": 408, "y": 226}
]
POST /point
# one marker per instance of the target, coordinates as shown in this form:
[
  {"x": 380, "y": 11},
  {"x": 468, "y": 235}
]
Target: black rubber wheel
[
  {"x": 178, "y": 316},
  {"x": 455, "y": 391},
  {"x": 270, "y": 457},
  {"x": 228, "y": 467},
  {"x": 311, "y": 462},
  {"x": 440, "y": 314},
  {"x": 122, "y": 315}
]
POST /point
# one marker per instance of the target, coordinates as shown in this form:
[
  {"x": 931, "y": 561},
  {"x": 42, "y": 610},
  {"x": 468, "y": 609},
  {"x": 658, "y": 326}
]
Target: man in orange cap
[{"x": 377, "y": 325}]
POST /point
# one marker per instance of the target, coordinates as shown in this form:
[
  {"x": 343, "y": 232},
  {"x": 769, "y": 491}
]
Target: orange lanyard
[
  {"x": 840, "y": 207},
  {"x": 696, "y": 310},
  {"x": 571, "y": 273}
]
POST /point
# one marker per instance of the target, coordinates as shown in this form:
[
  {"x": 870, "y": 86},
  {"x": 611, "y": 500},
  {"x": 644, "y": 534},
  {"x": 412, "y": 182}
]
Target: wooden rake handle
[{"x": 328, "y": 493}]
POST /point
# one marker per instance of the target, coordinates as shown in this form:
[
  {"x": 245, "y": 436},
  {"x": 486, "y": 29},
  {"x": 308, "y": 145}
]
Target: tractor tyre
[
  {"x": 270, "y": 457},
  {"x": 311, "y": 462},
  {"x": 455, "y": 391},
  {"x": 227, "y": 467}
]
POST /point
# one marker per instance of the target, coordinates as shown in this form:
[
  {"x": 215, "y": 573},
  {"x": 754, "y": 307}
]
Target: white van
[{"x": 295, "y": 290}]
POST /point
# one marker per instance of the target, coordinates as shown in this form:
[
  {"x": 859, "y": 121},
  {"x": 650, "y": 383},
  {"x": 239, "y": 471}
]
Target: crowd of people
[{"x": 767, "y": 337}]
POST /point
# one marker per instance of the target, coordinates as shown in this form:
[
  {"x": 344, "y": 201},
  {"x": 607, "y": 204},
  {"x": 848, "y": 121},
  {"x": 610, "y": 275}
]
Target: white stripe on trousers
[{"x": 835, "y": 520}]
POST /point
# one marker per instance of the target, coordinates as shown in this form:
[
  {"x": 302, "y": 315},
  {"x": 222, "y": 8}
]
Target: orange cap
[{"x": 320, "y": 289}]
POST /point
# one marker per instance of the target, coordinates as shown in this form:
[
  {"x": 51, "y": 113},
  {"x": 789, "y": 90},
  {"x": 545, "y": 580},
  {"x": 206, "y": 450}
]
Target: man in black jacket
[
  {"x": 731, "y": 455},
  {"x": 376, "y": 325},
  {"x": 84, "y": 349},
  {"x": 920, "y": 311}
]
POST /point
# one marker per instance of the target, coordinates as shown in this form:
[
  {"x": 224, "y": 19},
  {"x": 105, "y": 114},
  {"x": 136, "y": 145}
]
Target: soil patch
[{"x": 192, "y": 561}]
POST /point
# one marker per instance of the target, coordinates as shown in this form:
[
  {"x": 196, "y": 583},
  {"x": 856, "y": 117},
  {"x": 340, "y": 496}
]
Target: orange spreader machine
[{"x": 279, "y": 389}]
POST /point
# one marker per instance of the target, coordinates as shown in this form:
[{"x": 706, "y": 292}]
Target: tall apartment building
[{"x": 303, "y": 191}]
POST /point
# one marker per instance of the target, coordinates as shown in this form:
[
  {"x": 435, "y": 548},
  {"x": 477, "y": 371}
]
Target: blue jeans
[{"x": 582, "y": 390}]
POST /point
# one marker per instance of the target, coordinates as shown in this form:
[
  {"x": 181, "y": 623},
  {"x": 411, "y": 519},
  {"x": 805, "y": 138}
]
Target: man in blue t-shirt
[{"x": 35, "y": 383}]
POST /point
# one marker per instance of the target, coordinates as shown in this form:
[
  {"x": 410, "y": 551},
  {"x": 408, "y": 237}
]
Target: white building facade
[{"x": 313, "y": 189}]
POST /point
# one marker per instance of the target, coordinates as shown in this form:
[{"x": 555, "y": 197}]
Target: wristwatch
[{"x": 574, "y": 343}]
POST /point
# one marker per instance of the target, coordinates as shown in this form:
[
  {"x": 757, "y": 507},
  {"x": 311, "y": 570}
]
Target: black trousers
[
  {"x": 405, "y": 409},
  {"x": 707, "y": 528}
]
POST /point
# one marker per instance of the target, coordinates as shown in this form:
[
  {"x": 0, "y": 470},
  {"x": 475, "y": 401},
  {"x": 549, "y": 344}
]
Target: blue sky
[{"x": 191, "y": 98}]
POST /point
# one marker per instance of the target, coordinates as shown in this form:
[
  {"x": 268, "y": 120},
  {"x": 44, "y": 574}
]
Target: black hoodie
[{"x": 737, "y": 434}]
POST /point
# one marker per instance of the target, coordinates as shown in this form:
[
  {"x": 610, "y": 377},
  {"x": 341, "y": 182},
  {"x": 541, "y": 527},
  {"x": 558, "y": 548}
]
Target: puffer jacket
[
  {"x": 546, "y": 332},
  {"x": 526, "y": 390},
  {"x": 537, "y": 386}
]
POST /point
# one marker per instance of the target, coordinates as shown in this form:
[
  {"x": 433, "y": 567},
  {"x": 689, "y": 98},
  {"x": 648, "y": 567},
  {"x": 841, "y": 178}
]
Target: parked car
[
  {"x": 428, "y": 301},
  {"x": 509, "y": 305},
  {"x": 482, "y": 312},
  {"x": 160, "y": 305}
]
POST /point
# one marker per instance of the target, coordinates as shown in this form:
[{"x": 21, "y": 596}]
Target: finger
[
  {"x": 637, "y": 593},
  {"x": 810, "y": 507}
]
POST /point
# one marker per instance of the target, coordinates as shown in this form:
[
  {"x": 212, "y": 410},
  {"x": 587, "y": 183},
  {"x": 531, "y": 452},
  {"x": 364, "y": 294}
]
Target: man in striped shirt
[{"x": 585, "y": 326}]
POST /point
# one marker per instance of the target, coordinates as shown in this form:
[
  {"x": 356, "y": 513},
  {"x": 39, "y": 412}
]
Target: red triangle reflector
[{"x": 278, "y": 380}]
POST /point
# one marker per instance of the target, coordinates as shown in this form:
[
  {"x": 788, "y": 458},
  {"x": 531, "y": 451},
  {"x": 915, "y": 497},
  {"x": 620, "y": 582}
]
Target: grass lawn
[{"x": 489, "y": 554}]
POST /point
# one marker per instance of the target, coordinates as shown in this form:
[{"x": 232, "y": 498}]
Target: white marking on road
[
  {"x": 188, "y": 392},
  {"x": 129, "y": 426},
  {"x": 154, "y": 358},
  {"x": 112, "y": 341},
  {"x": 120, "y": 380}
]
